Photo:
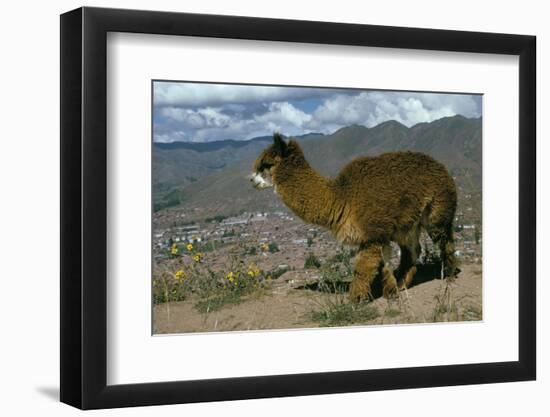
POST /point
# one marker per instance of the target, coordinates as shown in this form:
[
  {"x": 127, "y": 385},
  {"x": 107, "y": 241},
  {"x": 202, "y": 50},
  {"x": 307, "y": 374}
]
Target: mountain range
[{"x": 212, "y": 176}]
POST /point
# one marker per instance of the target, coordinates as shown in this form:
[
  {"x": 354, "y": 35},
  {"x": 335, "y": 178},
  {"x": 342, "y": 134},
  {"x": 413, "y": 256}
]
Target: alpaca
[{"x": 371, "y": 202}]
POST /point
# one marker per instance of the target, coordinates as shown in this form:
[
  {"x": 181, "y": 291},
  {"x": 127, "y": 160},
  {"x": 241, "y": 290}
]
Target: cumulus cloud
[
  {"x": 200, "y": 94},
  {"x": 200, "y": 118},
  {"x": 373, "y": 108},
  {"x": 200, "y": 113},
  {"x": 206, "y": 124},
  {"x": 167, "y": 135},
  {"x": 283, "y": 115}
]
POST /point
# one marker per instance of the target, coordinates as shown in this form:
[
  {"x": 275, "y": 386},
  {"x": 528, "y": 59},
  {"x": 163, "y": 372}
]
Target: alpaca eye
[{"x": 265, "y": 167}]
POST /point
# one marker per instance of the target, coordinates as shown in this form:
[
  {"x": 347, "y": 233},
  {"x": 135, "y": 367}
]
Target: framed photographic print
[{"x": 258, "y": 207}]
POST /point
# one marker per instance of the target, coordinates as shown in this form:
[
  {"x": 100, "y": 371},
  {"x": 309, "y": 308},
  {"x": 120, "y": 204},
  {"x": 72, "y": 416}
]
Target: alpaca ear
[{"x": 279, "y": 144}]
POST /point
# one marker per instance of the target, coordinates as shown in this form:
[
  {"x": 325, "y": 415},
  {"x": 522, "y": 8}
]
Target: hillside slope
[{"x": 216, "y": 178}]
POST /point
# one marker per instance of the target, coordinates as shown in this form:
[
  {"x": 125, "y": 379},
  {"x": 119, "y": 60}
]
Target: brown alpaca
[{"x": 371, "y": 202}]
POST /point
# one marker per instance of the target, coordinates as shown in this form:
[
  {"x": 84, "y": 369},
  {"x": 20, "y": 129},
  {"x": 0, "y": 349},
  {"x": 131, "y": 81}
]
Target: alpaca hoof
[
  {"x": 359, "y": 291},
  {"x": 451, "y": 272}
]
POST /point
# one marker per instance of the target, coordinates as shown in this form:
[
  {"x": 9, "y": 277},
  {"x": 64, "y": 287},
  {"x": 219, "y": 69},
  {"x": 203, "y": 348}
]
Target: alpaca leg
[
  {"x": 447, "y": 247},
  {"x": 410, "y": 251},
  {"x": 406, "y": 269},
  {"x": 389, "y": 283},
  {"x": 409, "y": 277},
  {"x": 368, "y": 265},
  {"x": 439, "y": 225},
  {"x": 443, "y": 237}
]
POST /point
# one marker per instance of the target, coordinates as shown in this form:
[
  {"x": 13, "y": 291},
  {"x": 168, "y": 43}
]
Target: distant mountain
[
  {"x": 177, "y": 164},
  {"x": 209, "y": 146},
  {"x": 213, "y": 175}
]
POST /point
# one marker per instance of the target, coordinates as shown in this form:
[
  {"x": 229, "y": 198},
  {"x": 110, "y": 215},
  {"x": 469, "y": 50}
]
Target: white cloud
[
  {"x": 188, "y": 117},
  {"x": 200, "y": 95},
  {"x": 373, "y": 108},
  {"x": 173, "y": 136},
  {"x": 244, "y": 112},
  {"x": 283, "y": 115},
  {"x": 204, "y": 117},
  {"x": 210, "y": 123},
  {"x": 344, "y": 110}
]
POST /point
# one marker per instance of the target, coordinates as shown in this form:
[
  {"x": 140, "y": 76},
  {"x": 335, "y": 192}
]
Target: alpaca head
[{"x": 269, "y": 160}]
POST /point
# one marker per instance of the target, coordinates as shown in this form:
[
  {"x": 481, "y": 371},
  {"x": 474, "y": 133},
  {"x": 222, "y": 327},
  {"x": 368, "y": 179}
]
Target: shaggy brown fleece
[{"x": 372, "y": 201}]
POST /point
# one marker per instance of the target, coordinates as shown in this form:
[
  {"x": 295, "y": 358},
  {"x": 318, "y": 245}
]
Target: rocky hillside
[{"x": 212, "y": 176}]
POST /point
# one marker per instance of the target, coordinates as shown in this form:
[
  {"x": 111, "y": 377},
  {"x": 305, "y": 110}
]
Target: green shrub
[
  {"x": 312, "y": 262},
  {"x": 342, "y": 313},
  {"x": 277, "y": 272}
]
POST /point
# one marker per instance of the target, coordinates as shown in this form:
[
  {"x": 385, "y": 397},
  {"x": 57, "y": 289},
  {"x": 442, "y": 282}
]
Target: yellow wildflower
[
  {"x": 197, "y": 257},
  {"x": 174, "y": 249},
  {"x": 179, "y": 274},
  {"x": 264, "y": 247},
  {"x": 231, "y": 277},
  {"x": 253, "y": 271},
  {"x": 189, "y": 247}
]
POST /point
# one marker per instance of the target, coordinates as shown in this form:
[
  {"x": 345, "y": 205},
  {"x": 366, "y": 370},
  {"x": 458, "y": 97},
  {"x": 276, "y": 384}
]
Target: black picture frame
[{"x": 84, "y": 207}]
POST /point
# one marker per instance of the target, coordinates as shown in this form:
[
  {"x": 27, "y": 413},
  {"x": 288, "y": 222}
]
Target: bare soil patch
[{"x": 288, "y": 303}]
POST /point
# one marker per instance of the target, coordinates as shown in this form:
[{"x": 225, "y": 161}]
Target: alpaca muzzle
[{"x": 259, "y": 182}]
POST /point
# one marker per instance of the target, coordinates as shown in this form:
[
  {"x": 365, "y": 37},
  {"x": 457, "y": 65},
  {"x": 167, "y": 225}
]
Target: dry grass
[{"x": 337, "y": 311}]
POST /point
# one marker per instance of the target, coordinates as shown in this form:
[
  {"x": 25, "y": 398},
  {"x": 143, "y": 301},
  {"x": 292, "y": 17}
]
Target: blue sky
[{"x": 201, "y": 112}]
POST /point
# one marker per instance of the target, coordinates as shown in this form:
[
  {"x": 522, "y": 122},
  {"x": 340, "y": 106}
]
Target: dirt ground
[{"x": 289, "y": 304}]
